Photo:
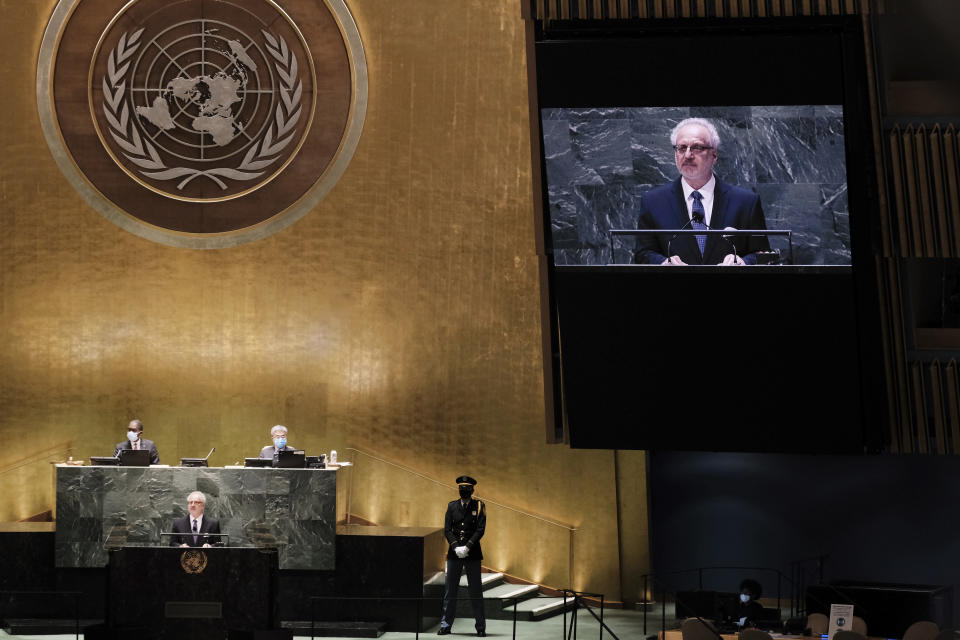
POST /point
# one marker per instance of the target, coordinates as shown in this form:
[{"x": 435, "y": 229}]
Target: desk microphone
[
  {"x": 697, "y": 217},
  {"x": 212, "y": 449},
  {"x": 730, "y": 242}
]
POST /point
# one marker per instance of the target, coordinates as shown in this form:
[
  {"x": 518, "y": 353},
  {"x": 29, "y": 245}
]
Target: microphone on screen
[
  {"x": 730, "y": 242},
  {"x": 689, "y": 222}
]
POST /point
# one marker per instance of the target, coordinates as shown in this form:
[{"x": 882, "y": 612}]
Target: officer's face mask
[
  {"x": 280, "y": 442},
  {"x": 744, "y": 598},
  {"x": 466, "y": 492},
  {"x": 133, "y": 435}
]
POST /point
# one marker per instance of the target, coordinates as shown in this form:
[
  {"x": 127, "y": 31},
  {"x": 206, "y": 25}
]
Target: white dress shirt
[{"x": 707, "y": 200}]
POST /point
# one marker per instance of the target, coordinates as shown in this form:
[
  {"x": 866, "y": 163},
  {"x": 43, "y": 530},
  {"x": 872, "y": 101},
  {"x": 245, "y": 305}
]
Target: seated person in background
[
  {"x": 194, "y": 525},
  {"x": 748, "y": 610},
  {"x": 136, "y": 442},
  {"x": 279, "y": 435}
]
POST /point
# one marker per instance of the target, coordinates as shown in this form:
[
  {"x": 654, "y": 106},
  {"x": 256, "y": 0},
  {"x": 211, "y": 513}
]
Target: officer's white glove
[{"x": 461, "y": 552}]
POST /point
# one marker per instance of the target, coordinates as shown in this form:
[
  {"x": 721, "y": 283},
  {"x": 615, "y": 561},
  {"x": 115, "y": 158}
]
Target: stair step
[
  {"x": 543, "y": 607},
  {"x": 486, "y": 579},
  {"x": 507, "y": 592}
]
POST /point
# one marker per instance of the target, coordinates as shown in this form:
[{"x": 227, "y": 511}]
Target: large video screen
[
  {"x": 716, "y": 358},
  {"x": 778, "y": 168}
]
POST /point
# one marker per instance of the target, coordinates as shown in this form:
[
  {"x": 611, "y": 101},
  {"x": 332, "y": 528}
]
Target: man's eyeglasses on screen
[{"x": 695, "y": 148}]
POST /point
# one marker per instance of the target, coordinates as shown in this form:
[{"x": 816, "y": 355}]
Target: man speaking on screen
[{"x": 698, "y": 200}]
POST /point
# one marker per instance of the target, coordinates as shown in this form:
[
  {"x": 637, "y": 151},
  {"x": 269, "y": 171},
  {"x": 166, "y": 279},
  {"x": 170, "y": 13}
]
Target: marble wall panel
[
  {"x": 298, "y": 505},
  {"x": 600, "y": 162}
]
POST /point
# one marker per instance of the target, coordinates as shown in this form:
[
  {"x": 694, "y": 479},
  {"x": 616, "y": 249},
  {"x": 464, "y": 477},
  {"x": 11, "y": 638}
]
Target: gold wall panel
[{"x": 401, "y": 317}]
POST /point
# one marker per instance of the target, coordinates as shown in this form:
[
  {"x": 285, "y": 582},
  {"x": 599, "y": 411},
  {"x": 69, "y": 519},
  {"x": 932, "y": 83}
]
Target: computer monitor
[
  {"x": 196, "y": 462},
  {"x": 257, "y": 462},
  {"x": 134, "y": 458},
  {"x": 291, "y": 460},
  {"x": 108, "y": 461}
]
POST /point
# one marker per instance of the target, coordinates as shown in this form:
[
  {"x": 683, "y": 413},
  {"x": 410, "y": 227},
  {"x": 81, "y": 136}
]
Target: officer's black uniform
[{"x": 464, "y": 525}]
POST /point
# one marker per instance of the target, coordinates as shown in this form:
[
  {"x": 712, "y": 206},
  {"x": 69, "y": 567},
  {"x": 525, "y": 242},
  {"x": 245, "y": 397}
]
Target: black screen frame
[{"x": 781, "y": 61}]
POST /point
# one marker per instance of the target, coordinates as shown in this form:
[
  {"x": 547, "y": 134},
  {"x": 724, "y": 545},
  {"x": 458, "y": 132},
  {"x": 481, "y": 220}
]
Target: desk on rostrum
[{"x": 296, "y": 507}]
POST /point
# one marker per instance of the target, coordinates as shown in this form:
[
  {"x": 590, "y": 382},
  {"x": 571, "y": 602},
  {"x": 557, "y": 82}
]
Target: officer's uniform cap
[{"x": 462, "y": 480}]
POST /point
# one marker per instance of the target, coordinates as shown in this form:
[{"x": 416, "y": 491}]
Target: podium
[{"x": 190, "y": 593}]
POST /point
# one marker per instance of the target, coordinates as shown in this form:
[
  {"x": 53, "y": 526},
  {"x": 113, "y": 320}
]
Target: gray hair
[
  {"x": 278, "y": 429},
  {"x": 706, "y": 124},
  {"x": 199, "y": 495}
]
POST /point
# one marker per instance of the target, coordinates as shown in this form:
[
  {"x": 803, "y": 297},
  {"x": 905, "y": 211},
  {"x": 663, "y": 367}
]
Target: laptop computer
[
  {"x": 292, "y": 459},
  {"x": 132, "y": 458},
  {"x": 196, "y": 462}
]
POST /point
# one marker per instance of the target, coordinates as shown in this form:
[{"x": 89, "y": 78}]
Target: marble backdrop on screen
[{"x": 599, "y": 162}]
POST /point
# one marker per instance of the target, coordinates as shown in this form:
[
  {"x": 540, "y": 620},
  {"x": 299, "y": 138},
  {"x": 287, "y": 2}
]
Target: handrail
[
  {"x": 700, "y": 570},
  {"x": 578, "y": 602},
  {"x": 37, "y": 457},
  {"x": 523, "y": 512}
]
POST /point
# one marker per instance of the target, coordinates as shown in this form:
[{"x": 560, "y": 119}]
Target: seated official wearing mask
[
  {"x": 135, "y": 442},
  {"x": 279, "y": 435},
  {"x": 748, "y": 611}
]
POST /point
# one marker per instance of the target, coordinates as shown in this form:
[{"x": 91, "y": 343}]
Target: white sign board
[{"x": 841, "y": 619}]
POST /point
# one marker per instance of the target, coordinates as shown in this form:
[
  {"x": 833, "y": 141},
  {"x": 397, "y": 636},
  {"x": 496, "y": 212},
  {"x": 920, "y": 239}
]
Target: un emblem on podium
[
  {"x": 193, "y": 561},
  {"x": 202, "y": 123}
]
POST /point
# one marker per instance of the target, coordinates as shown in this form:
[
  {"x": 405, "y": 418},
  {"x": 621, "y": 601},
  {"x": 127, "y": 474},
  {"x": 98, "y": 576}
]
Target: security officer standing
[{"x": 463, "y": 526}]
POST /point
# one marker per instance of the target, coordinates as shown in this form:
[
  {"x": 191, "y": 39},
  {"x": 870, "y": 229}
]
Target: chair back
[
  {"x": 921, "y": 630},
  {"x": 694, "y": 629},
  {"x": 860, "y": 626},
  {"x": 818, "y": 623},
  {"x": 754, "y": 634}
]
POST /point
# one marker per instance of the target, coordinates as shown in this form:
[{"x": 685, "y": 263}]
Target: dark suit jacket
[
  {"x": 465, "y": 526},
  {"x": 664, "y": 208},
  {"x": 144, "y": 444},
  {"x": 207, "y": 525}
]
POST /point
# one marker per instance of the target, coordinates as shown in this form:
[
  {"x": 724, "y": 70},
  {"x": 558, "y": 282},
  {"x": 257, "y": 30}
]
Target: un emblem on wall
[{"x": 202, "y": 123}]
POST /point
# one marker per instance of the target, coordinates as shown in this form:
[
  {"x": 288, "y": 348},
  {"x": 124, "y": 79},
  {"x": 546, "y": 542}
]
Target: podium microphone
[
  {"x": 697, "y": 217},
  {"x": 730, "y": 242}
]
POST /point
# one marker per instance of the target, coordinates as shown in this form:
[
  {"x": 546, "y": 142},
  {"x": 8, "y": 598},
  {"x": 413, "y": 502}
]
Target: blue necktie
[
  {"x": 698, "y": 209},
  {"x": 195, "y": 532}
]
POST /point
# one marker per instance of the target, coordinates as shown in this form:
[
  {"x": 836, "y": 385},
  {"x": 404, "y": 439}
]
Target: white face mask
[
  {"x": 744, "y": 598},
  {"x": 132, "y": 436}
]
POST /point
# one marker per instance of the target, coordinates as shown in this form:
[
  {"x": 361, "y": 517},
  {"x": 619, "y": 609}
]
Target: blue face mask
[
  {"x": 744, "y": 598},
  {"x": 279, "y": 443}
]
